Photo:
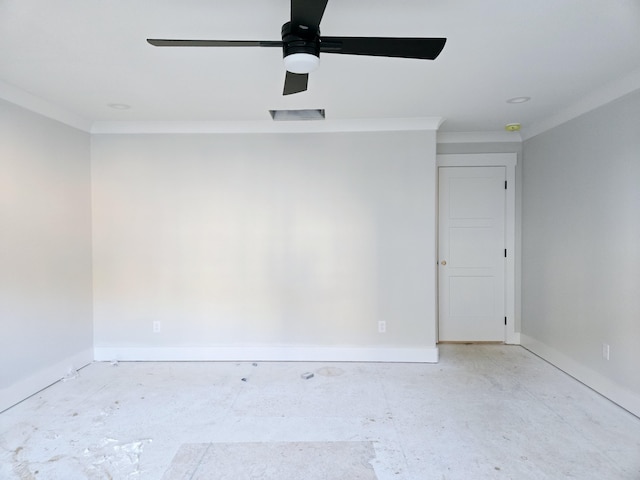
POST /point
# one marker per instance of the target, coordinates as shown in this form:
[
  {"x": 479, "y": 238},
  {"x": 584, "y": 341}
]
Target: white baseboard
[
  {"x": 513, "y": 339},
  {"x": 26, "y": 387},
  {"x": 286, "y": 353},
  {"x": 601, "y": 384}
]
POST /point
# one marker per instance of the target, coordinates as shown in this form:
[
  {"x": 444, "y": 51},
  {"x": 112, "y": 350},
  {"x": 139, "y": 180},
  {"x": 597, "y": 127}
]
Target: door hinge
[
  {"x": 505, "y": 320},
  {"x": 505, "y": 253},
  {"x": 505, "y": 184}
]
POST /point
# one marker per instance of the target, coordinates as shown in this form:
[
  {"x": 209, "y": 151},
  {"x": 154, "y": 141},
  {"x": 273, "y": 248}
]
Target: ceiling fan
[{"x": 301, "y": 44}]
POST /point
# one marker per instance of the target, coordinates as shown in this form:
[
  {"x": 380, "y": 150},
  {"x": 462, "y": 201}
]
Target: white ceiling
[{"x": 83, "y": 55}]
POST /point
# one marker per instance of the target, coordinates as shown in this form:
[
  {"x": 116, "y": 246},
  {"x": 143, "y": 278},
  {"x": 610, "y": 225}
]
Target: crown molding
[
  {"x": 303, "y": 126},
  {"x": 479, "y": 137},
  {"x": 43, "y": 107},
  {"x": 597, "y": 98}
]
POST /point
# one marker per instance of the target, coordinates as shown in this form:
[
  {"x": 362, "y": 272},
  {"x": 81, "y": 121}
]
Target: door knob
[{"x": 443, "y": 262}]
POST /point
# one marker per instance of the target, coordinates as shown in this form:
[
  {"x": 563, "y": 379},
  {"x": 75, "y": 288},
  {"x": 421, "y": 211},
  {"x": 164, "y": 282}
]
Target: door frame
[{"x": 509, "y": 161}]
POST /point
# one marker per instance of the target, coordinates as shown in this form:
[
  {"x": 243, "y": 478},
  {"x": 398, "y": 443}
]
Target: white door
[{"x": 471, "y": 249}]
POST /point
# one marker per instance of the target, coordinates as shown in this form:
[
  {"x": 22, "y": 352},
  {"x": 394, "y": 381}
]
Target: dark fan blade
[
  {"x": 213, "y": 43},
  {"x": 295, "y": 83},
  {"x": 426, "y": 48},
  {"x": 307, "y": 13}
]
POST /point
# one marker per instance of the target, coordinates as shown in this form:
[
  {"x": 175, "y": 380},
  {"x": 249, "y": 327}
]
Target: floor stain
[
  {"x": 21, "y": 467},
  {"x": 330, "y": 371}
]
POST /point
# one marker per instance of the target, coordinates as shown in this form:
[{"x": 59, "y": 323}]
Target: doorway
[{"x": 475, "y": 249}]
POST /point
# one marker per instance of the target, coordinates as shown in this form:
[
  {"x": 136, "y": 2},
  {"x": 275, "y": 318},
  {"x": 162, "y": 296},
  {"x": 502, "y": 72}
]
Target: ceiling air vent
[{"x": 295, "y": 115}]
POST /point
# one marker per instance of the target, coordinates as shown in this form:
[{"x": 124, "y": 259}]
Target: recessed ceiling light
[
  {"x": 119, "y": 106},
  {"x": 518, "y": 99}
]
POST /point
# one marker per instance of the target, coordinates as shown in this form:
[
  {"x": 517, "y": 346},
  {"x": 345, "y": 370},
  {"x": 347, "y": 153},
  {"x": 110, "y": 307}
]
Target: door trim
[{"x": 509, "y": 161}]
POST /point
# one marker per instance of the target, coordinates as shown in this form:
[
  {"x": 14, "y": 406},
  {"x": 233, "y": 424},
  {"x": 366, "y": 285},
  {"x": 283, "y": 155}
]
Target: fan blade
[
  {"x": 308, "y": 13},
  {"x": 295, "y": 83},
  {"x": 156, "y": 42},
  {"x": 425, "y": 48}
]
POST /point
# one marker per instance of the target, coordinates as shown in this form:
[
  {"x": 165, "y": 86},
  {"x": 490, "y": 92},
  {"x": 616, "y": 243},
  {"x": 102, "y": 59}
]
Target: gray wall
[
  {"x": 303, "y": 240},
  {"x": 581, "y": 248},
  {"x": 45, "y": 251}
]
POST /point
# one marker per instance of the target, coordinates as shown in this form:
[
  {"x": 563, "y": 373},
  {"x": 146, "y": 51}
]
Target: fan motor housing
[{"x": 300, "y": 39}]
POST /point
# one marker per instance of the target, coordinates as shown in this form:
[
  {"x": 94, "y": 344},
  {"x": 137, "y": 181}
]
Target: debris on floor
[
  {"x": 114, "y": 459},
  {"x": 307, "y": 375},
  {"x": 71, "y": 374},
  {"x": 114, "y": 363},
  {"x": 243, "y": 379}
]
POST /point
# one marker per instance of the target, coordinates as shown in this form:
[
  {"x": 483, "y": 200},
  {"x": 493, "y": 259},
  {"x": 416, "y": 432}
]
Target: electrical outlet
[
  {"x": 382, "y": 327},
  {"x": 157, "y": 326},
  {"x": 605, "y": 351}
]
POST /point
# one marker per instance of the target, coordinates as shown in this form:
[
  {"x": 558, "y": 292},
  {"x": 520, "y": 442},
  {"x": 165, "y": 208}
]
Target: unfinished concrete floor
[{"x": 483, "y": 412}]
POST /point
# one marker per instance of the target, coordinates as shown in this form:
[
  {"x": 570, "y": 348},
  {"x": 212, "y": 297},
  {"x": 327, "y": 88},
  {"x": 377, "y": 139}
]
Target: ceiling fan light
[{"x": 301, "y": 62}]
